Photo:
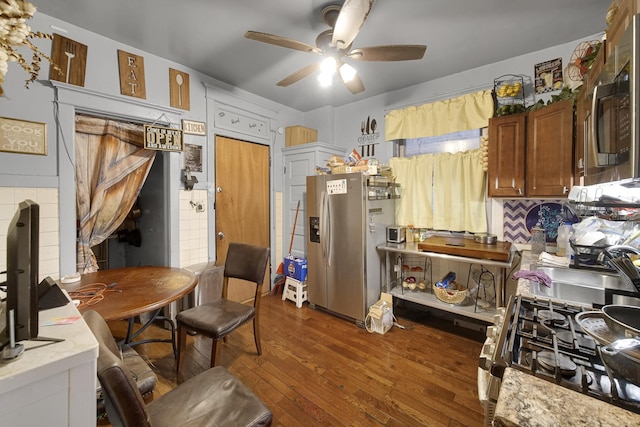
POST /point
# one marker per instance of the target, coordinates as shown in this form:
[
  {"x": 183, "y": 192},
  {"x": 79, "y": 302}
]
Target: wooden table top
[{"x": 137, "y": 290}]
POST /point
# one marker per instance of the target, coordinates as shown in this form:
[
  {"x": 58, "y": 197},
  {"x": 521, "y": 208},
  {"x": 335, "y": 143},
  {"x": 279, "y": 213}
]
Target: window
[{"x": 449, "y": 143}]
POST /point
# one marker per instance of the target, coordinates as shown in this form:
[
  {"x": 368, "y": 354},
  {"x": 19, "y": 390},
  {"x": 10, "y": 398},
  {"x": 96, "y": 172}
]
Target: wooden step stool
[{"x": 295, "y": 291}]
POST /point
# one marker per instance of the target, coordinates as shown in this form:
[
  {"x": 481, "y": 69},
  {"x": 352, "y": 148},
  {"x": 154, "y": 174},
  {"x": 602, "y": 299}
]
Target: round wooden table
[{"x": 133, "y": 291}]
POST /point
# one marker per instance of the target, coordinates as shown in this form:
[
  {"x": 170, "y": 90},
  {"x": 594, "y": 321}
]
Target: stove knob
[
  {"x": 497, "y": 319},
  {"x": 492, "y": 331}
]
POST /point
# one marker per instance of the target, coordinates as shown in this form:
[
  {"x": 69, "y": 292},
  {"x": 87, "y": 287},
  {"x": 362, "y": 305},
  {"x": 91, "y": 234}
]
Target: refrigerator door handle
[
  {"x": 328, "y": 229},
  {"x": 323, "y": 226}
]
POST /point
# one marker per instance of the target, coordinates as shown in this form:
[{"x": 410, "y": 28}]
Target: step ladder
[{"x": 295, "y": 291}]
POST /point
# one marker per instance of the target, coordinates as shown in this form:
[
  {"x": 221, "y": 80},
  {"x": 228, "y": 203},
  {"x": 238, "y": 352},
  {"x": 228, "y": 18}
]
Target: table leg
[{"x": 131, "y": 335}]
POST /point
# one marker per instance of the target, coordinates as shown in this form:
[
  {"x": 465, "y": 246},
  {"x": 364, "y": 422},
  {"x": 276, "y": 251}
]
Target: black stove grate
[{"x": 542, "y": 338}]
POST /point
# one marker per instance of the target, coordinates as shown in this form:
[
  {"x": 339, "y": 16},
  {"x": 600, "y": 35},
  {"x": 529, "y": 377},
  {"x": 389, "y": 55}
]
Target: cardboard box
[
  {"x": 296, "y": 268},
  {"x": 296, "y": 135}
]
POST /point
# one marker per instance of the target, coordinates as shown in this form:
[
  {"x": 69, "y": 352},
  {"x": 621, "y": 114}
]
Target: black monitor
[{"x": 22, "y": 271}]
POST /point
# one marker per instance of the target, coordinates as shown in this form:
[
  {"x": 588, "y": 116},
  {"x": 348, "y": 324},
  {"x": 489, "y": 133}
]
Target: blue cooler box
[{"x": 296, "y": 268}]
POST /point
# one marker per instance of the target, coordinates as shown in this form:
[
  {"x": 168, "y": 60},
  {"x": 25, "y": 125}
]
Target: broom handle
[{"x": 293, "y": 231}]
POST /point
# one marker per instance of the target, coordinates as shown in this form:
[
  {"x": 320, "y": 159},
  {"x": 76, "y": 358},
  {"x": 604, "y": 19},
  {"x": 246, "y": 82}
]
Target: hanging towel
[{"x": 534, "y": 276}]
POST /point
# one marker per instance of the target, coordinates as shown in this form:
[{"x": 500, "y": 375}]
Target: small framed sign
[
  {"x": 22, "y": 136},
  {"x": 191, "y": 127},
  {"x": 193, "y": 157},
  {"x": 548, "y": 76},
  {"x": 163, "y": 139}
]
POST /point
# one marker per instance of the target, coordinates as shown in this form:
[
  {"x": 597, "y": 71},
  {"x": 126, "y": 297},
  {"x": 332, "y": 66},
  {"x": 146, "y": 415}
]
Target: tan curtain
[
  {"x": 111, "y": 167},
  {"x": 415, "y": 176},
  {"x": 442, "y": 191},
  {"x": 459, "y": 197},
  {"x": 470, "y": 111}
]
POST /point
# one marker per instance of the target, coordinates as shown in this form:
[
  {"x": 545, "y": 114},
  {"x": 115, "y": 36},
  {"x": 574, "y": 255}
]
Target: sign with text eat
[{"x": 131, "y": 74}]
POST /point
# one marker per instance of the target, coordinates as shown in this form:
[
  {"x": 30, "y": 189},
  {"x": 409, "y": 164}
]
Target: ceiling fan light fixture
[
  {"x": 328, "y": 66},
  {"x": 327, "y": 70},
  {"x": 347, "y": 72}
]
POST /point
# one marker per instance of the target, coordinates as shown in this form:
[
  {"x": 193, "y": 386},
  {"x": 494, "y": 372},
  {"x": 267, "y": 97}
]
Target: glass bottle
[{"x": 538, "y": 240}]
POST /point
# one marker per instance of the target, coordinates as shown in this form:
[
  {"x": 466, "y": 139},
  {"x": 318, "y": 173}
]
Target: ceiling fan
[{"x": 335, "y": 45}]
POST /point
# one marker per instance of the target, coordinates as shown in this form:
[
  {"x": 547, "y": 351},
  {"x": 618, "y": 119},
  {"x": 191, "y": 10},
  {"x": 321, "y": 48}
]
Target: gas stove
[{"x": 542, "y": 338}]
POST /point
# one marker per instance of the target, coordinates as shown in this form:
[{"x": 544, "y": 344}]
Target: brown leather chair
[
  {"x": 219, "y": 318},
  {"x": 214, "y": 397}
]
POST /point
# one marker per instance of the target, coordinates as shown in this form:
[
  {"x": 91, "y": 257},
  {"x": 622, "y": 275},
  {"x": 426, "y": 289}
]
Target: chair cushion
[
  {"x": 213, "y": 398},
  {"x": 140, "y": 370},
  {"x": 216, "y": 319}
]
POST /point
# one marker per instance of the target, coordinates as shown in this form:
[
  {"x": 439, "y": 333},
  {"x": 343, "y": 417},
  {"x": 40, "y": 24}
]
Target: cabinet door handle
[
  {"x": 519, "y": 191},
  {"x": 565, "y": 190}
]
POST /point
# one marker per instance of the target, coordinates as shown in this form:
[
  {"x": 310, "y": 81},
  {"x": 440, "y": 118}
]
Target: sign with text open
[{"x": 161, "y": 138}]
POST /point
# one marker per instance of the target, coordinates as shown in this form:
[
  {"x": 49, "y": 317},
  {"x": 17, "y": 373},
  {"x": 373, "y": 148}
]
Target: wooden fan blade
[
  {"x": 398, "y": 52},
  {"x": 354, "y": 85},
  {"x": 281, "y": 41},
  {"x": 299, "y": 75},
  {"x": 350, "y": 21}
]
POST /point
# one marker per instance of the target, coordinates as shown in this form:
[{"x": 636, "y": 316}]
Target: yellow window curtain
[
  {"x": 442, "y": 191},
  {"x": 470, "y": 111},
  {"x": 415, "y": 176},
  {"x": 459, "y": 199},
  {"x": 111, "y": 167}
]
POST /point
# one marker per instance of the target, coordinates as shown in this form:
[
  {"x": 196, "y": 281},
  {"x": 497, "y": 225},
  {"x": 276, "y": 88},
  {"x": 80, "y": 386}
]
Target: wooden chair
[
  {"x": 214, "y": 397},
  {"x": 218, "y": 319}
]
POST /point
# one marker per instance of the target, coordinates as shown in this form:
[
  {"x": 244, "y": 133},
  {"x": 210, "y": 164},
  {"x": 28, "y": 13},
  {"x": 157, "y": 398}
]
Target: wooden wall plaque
[
  {"x": 131, "y": 74},
  {"x": 179, "y": 89},
  {"x": 71, "y": 58}
]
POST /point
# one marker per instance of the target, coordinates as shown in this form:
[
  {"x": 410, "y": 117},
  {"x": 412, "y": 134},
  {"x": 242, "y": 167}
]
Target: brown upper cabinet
[
  {"x": 506, "y": 155},
  {"x": 531, "y": 154}
]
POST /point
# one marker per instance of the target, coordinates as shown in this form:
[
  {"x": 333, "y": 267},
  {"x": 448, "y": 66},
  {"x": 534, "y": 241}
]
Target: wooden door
[
  {"x": 242, "y": 202},
  {"x": 506, "y": 156},
  {"x": 550, "y": 150}
]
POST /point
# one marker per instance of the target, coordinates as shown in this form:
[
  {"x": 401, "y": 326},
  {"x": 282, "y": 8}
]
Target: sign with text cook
[
  {"x": 131, "y": 74},
  {"x": 21, "y": 136},
  {"x": 161, "y": 138}
]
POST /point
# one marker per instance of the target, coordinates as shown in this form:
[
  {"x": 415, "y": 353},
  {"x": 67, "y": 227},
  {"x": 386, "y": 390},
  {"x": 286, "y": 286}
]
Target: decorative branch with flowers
[{"x": 15, "y": 33}]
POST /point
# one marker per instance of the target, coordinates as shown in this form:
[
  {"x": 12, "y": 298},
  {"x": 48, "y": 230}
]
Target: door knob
[{"x": 221, "y": 235}]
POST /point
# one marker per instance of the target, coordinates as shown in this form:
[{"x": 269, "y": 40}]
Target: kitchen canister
[{"x": 538, "y": 240}]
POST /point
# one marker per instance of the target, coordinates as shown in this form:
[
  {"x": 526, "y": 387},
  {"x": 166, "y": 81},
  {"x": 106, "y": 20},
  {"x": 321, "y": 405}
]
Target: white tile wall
[
  {"x": 193, "y": 228},
  {"x": 49, "y": 238}
]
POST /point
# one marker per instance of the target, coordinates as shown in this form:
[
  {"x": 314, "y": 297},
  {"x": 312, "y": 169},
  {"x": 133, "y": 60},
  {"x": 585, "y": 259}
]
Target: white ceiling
[{"x": 208, "y": 36}]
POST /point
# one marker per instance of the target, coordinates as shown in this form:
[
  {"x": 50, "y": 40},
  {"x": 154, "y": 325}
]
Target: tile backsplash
[
  {"x": 49, "y": 238},
  {"x": 520, "y": 215},
  {"x": 194, "y": 247}
]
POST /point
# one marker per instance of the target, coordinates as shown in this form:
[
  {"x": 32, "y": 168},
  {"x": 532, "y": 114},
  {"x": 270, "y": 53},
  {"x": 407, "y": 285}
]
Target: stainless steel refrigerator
[{"x": 343, "y": 228}]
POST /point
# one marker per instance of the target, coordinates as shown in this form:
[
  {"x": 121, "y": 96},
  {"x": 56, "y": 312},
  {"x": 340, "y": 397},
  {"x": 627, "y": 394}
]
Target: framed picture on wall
[
  {"x": 193, "y": 157},
  {"x": 23, "y": 136}
]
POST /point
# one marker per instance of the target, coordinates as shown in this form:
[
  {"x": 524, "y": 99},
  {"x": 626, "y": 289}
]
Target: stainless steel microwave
[{"x": 612, "y": 146}]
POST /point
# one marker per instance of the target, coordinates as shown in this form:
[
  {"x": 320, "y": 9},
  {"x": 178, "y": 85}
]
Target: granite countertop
[{"x": 526, "y": 400}]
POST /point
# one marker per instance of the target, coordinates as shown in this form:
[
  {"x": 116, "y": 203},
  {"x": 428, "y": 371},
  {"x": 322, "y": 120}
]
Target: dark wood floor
[{"x": 318, "y": 370}]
